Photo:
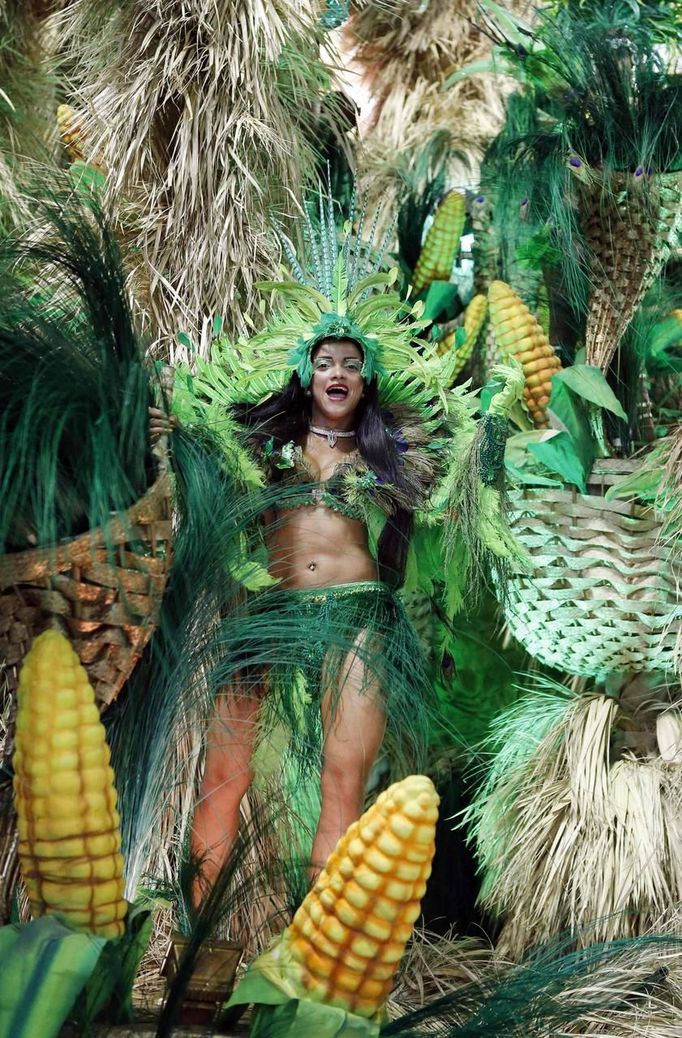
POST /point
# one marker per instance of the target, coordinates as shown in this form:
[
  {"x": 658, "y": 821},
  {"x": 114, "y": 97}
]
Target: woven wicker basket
[
  {"x": 104, "y": 586},
  {"x": 603, "y": 593},
  {"x": 105, "y": 589}
]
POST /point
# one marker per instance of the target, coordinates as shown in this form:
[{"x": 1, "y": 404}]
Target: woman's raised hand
[{"x": 160, "y": 424}]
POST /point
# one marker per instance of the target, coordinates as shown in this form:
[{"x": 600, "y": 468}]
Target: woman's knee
[
  {"x": 223, "y": 773},
  {"x": 345, "y": 778}
]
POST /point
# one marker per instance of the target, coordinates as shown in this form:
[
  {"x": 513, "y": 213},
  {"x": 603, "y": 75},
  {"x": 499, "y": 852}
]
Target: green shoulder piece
[{"x": 198, "y": 400}]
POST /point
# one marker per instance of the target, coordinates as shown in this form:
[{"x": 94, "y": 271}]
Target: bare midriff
[{"x": 314, "y": 546}]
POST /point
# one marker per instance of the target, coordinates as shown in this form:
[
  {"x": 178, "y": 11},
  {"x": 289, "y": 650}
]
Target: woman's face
[{"x": 337, "y": 382}]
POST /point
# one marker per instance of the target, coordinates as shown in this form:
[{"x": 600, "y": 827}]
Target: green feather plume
[{"x": 74, "y": 390}]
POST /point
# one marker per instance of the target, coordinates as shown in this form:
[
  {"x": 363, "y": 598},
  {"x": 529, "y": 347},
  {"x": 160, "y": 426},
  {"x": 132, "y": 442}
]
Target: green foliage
[
  {"x": 555, "y": 991},
  {"x": 442, "y": 302},
  {"x": 597, "y": 97},
  {"x": 589, "y": 383},
  {"x": 280, "y": 1012},
  {"x": 475, "y": 677},
  {"x": 43, "y": 967},
  {"x": 110, "y": 985},
  {"x": 663, "y": 19},
  {"x": 579, "y": 393},
  {"x": 74, "y": 390}
]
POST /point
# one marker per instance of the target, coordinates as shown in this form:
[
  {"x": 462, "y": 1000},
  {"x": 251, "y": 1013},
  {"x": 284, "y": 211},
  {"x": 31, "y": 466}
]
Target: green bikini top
[
  {"x": 354, "y": 489},
  {"x": 305, "y": 491}
]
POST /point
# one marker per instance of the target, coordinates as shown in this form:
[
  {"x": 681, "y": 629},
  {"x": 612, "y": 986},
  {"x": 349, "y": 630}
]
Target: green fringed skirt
[{"x": 310, "y": 637}]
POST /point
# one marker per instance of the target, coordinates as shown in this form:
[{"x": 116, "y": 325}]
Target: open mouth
[{"x": 337, "y": 392}]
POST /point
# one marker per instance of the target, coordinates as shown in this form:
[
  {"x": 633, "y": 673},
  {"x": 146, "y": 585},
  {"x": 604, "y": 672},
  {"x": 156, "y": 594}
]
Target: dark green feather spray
[{"x": 74, "y": 390}]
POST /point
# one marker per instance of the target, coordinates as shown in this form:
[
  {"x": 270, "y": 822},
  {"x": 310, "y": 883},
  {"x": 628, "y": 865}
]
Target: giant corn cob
[
  {"x": 441, "y": 243},
  {"x": 519, "y": 336},
  {"x": 74, "y": 137},
  {"x": 474, "y": 319},
  {"x": 69, "y": 840},
  {"x": 348, "y": 936}
]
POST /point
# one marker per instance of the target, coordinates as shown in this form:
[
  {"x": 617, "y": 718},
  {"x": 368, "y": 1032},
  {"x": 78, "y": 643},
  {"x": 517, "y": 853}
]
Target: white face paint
[{"x": 337, "y": 383}]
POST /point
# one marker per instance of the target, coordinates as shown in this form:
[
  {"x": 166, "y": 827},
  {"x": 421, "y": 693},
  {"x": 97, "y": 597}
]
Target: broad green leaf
[
  {"x": 516, "y": 448},
  {"x": 256, "y": 988},
  {"x": 490, "y": 390},
  {"x": 590, "y": 383},
  {"x": 88, "y": 179},
  {"x": 644, "y": 484},
  {"x": 306, "y": 1019},
  {"x": 440, "y": 302},
  {"x": 515, "y": 28},
  {"x": 44, "y": 965},
  {"x": 217, "y": 326},
  {"x": 558, "y": 454},
  {"x": 571, "y": 414},
  {"x": 498, "y": 64},
  {"x": 114, "y": 975},
  {"x": 184, "y": 340},
  {"x": 528, "y": 477},
  {"x": 251, "y": 574}
]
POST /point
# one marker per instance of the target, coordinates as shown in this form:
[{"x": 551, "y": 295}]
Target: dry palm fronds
[
  {"x": 435, "y": 964},
  {"x": 406, "y": 50},
  {"x": 629, "y": 988},
  {"x": 202, "y": 113},
  {"x": 27, "y": 98},
  {"x": 578, "y": 820}
]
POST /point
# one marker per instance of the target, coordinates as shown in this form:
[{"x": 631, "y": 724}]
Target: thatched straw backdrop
[
  {"x": 406, "y": 50},
  {"x": 203, "y": 113},
  {"x": 28, "y": 98}
]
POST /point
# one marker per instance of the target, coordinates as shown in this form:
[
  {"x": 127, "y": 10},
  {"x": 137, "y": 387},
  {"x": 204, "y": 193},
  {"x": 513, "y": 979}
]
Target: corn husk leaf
[
  {"x": 280, "y": 1011},
  {"x": 44, "y": 966}
]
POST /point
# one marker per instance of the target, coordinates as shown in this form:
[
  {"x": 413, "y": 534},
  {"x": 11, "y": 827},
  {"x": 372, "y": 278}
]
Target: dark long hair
[{"x": 286, "y": 416}]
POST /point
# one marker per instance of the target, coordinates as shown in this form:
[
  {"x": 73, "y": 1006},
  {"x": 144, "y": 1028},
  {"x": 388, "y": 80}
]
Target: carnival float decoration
[
  {"x": 600, "y": 216},
  {"x": 538, "y": 301}
]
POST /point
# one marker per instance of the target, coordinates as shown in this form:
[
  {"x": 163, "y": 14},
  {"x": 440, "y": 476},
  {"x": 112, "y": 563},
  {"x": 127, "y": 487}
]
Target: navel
[{"x": 312, "y": 566}]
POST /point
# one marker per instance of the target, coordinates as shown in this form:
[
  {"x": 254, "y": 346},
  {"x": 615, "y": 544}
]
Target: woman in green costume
[{"x": 354, "y": 422}]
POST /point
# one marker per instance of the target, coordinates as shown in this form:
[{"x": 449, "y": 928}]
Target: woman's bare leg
[
  {"x": 227, "y": 777},
  {"x": 354, "y": 729}
]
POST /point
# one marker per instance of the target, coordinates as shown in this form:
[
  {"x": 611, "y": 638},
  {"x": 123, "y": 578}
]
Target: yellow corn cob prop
[
  {"x": 347, "y": 938},
  {"x": 520, "y": 336},
  {"x": 74, "y": 137},
  {"x": 69, "y": 840},
  {"x": 441, "y": 243},
  {"x": 474, "y": 319}
]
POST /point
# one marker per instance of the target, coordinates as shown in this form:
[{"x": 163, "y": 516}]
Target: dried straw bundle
[
  {"x": 28, "y": 97},
  {"x": 459, "y": 988},
  {"x": 578, "y": 822},
  {"x": 199, "y": 110},
  {"x": 406, "y": 50}
]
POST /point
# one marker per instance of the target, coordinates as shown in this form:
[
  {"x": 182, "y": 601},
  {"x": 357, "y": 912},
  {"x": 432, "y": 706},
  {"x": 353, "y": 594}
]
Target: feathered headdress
[{"x": 339, "y": 289}]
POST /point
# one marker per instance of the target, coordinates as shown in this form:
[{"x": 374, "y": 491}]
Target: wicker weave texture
[
  {"x": 105, "y": 588},
  {"x": 603, "y": 594}
]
